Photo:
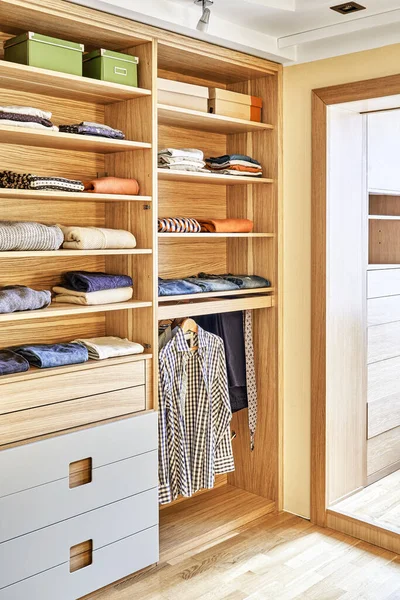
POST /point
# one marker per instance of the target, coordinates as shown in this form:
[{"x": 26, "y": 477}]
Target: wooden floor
[
  {"x": 378, "y": 503},
  {"x": 277, "y": 557}
]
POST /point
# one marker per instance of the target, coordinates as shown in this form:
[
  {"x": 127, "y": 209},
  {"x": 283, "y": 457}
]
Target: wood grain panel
[
  {"x": 384, "y": 244},
  {"x": 383, "y": 310},
  {"x": 198, "y": 202},
  {"x": 379, "y": 204},
  {"x": 383, "y": 450},
  {"x": 383, "y": 282},
  {"x": 383, "y": 415},
  {"x": 364, "y": 531},
  {"x": 81, "y": 556},
  {"x": 383, "y": 341},
  {"x": 212, "y": 144},
  {"x": 48, "y": 419},
  {"x": 199, "y": 256},
  {"x": 83, "y": 214}
]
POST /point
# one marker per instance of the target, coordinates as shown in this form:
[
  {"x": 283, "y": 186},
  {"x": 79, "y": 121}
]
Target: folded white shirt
[
  {"x": 27, "y": 110},
  {"x": 26, "y": 125},
  {"x": 192, "y": 153},
  {"x": 109, "y": 347}
]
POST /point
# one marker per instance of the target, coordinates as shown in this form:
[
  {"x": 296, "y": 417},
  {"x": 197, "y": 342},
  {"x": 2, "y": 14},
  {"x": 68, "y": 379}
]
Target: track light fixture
[{"x": 204, "y": 20}]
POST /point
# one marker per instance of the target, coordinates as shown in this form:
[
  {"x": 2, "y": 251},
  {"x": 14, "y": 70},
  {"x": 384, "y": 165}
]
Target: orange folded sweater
[
  {"x": 112, "y": 185},
  {"x": 226, "y": 225}
]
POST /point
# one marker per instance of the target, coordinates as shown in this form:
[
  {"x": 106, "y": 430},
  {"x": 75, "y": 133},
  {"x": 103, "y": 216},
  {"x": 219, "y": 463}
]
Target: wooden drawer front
[
  {"x": 383, "y": 282},
  {"x": 383, "y": 310},
  {"x": 49, "y": 547},
  {"x": 35, "y": 464},
  {"x": 46, "y": 505},
  {"x": 383, "y": 450},
  {"x": 55, "y": 388},
  {"x": 26, "y": 424},
  {"x": 110, "y": 563},
  {"x": 383, "y": 415},
  {"x": 383, "y": 342}
]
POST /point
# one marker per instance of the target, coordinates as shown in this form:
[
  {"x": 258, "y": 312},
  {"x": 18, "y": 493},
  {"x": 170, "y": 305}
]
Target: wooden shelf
[
  {"x": 208, "y": 236},
  {"x": 66, "y": 141},
  {"x": 75, "y": 253},
  {"x": 375, "y": 192},
  {"x": 215, "y": 178},
  {"x": 209, "y": 307},
  {"x": 6, "y": 193},
  {"x": 62, "y": 85},
  {"x": 378, "y": 267},
  {"x": 36, "y": 373},
  {"x": 383, "y": 218},
  {"x": 174, "y": 116},
  {"x": 264, "y": 290},
  {"x": 66, "y": 310}
]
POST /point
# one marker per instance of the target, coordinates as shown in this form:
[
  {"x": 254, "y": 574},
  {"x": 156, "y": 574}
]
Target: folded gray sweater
[
  {"x": 15, "y": 298},
  {"x": 19, "y": 235}
]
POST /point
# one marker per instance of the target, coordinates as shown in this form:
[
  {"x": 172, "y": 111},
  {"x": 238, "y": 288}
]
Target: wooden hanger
[{"x": 189, "y": 326}]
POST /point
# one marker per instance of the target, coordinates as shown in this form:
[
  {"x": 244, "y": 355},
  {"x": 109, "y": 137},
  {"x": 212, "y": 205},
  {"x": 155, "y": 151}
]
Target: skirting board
[{"x": 364, "y": 531}]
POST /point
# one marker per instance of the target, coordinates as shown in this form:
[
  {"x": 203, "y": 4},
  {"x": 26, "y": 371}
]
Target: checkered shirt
[{"x": 194, "y": 416}]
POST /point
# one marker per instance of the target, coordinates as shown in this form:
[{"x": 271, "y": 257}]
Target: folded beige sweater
[
  {"x": 109, "y": 346},
  {"x": 96, "y": 238},
  {"x": 67, "y": 296}
]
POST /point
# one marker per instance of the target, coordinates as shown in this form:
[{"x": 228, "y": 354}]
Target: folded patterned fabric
[
  {"x": 226, "y": 225},
  {"x": 242, "y": 281},
  {"x": 178, "y": 225},
  {"x": 18, "y": 235},
  {"x": 55, "y": 183},
  {"x": 112, "y": 185},
  {"x": 101, "y": 348},
  {"x": 26, "y": 110},
  {"x": 87, "y": 281},
  {"x": 15, "y": 298},
  {"x": 25, "y": 119},
  {"x": 229, "y": 158},
  {"x": 233, "y": 163},
  {"x": 191, "y": 153},
  {"x": 245, "y": 173},
  {"x": 11, "y": 362},
  {"x": 27, "y": 125},
  {"x": 212, "y": 284},
  {"x": 9, "y": 179},
  {"x": 94, "y": 238},
  {"x": 67, "y": 296},
  {"x": 53, "y": 355},
  {"x": 244, "y": 169},
  {"x": 175, "y": 287},
  {"x": 97, "y": 129}
]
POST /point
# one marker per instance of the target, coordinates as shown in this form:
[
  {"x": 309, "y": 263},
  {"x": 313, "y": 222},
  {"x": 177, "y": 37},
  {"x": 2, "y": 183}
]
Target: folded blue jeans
[
  {"x": 87, "y": 281},
  {"x": 45, "y": 356},
  {"x": 247, "y": 282},
  {"x": 175, "y": 287},
  {"x": 213, "y": 284},
  {"x": 10, "y": 362},
  {"x": 228, "y": 157}
]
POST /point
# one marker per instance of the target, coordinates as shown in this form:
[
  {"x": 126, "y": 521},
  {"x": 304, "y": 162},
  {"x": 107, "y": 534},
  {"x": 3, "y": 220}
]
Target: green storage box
[
  {"x": 45, "y": 52},
  {"x": 111, "y": 66}
]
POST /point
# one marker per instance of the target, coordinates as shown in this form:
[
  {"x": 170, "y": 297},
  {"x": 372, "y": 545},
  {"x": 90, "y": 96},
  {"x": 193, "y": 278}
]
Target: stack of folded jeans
[
  {"x": 15, "y": 298},
  {"x": 11, "y": 362},
  {"x": 87, "y": 288},
  {"x": 109, "y": 346},
  {"x": 26, "y": 116},
  {"x": 234, "y": 164},
  {"x": 16, "y": 235},
  {"x": 178, "y": 225},
  {"x": 26, "y": 181},
  {"x": 52, "y": 355},
  {"x": 96, "y": 238},
  {"x": 181, "y": 159},
  {"x": 205, "y": 282},
  {"x": 89, "y": 128}
]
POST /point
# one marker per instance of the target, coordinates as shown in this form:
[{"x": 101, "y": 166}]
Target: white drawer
[
  {"x": 110, "y": 563},
  {"x": 383, "y": 282},
  {"x": 41, "y": 550},
  {"x": 42, "y": 462},
  {"x": 45, "y": 505}
]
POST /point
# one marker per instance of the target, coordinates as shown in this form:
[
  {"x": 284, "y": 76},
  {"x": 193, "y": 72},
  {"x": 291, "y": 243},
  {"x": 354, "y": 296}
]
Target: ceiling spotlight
[{"x": 204, "y": 20}]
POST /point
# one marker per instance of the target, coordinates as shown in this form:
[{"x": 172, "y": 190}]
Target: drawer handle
[
  {"x": 120, "y": 71},
  {"x": 80, "y": 472},
  {"x": 80, "y": 556}
]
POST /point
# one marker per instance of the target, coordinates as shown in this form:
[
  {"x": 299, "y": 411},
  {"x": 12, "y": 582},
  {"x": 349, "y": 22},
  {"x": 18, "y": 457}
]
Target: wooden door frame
[{"x": 321, "y": 99}]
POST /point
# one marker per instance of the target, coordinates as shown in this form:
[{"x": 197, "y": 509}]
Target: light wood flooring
[
  {"x": 275, "y": 557},
  {"x": 378, "y": 503}
]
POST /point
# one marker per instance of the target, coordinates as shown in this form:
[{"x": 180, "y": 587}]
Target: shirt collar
[{"x": 181, "y": 344}]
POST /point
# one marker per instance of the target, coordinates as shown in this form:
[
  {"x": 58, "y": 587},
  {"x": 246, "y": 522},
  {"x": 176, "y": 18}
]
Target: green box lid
[
  {"x": 111, "y": 54},
  {"x": 44, "y": 39}
]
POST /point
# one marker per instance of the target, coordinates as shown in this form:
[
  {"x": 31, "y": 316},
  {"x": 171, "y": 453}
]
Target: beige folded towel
[
  {"x": 67, "y": 296},
  {"x": 96, "y": 238},
  {"x": 109, "y": 346}
]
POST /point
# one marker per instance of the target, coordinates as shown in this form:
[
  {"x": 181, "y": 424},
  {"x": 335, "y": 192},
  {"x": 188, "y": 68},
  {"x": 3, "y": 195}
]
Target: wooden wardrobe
[{"x": 78, "y": 457}]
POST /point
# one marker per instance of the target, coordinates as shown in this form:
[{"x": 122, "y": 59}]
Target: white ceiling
[{"x": 287, "y": 31}]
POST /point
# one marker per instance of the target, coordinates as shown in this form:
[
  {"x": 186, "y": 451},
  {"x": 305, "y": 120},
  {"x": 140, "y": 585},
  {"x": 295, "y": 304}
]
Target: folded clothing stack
[
  {"x": 45, "y": 356},
  {"x": 20, "y": 235},
  {"x": 87, "y": 288},
  {"x": 96, "y": 238},
  {"x": 26, "y": 181},
  {"x": 234, "y": 164},
  {"x": 112, "y": 185},
  {"x": 226, "y": 225},
  {"x": 26, "y": 116},
  {"x": 178, "y": 225},
  {"x": 11, "y": 362},
  {"x": 101, "y": 348},
  {"x": 205, "y": 282},
  {"x": 181, "y": 159},
  {"x": 15, "y": 298},
  {"x": 89, "y": 128}
]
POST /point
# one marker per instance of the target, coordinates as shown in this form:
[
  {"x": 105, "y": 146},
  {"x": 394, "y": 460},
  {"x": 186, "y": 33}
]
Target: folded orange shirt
[
  {"x": 226, "y": 225},
  {"x": 112, "y": 185}
]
